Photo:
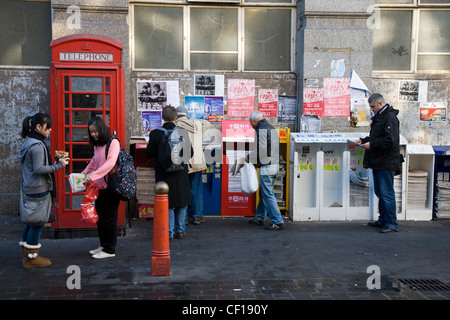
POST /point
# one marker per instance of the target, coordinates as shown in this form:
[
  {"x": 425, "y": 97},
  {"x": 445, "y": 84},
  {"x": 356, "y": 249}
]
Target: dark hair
[
  {"x": 30, "y": 123},
  {"x": 169, "y": 113},
  {"x": 104, "y": 135}
]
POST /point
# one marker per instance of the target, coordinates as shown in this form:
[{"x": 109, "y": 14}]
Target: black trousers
[{"x": 107, "y": 205}]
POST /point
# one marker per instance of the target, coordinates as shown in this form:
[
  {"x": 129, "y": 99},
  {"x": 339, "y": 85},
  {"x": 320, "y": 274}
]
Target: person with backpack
[
  {"x": 107, "y": 203},
  {"x": 171, "y": 167},
  {"x": 196, "y": 129},
  {"x": 38, "y": 182}
]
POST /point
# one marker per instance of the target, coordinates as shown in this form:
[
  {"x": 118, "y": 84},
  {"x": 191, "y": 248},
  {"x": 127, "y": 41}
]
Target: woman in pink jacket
[{"x": 107, "y": 203}]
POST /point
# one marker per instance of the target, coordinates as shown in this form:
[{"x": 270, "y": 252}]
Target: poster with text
[
  {"x": 150, "y": 121},
  {"x": 268, "y": 102},
  {"x": 195, "y": 106},
  {"x": 433, "y": 111},
  {"x": 287, "y": 109},
  {"x": 241, "y": 98},
  {"x": 361, "y": 110},
  {"x": 209, "y": 85},
  {"x": 214, "y": 109},
  {"x": 154, "y": 95},
  {"x": 313, "y": 101},
  {"x": 336, "y": 97}
]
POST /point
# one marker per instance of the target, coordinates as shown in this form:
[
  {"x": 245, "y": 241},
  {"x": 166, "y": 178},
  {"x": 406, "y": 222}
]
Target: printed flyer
[
  {"x": 241, "y": 98},
  {"x": 268, "y": 102},
  {"x": 336, "y": 97},
  {"x": 313, "y": 101}
]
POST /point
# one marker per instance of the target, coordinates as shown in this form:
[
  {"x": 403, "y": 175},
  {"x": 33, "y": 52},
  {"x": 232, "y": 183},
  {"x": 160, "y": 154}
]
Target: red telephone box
[{"x": 86, "y": 80}]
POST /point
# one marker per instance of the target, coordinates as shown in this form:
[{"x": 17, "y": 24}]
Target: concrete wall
[
  {"x": 101, "y": 17},
  {"x": 333, "y": 30},
  {"x": 23, "y": 92},
  {"x": 414, "y": 130},
  {"x": 343, "y": 25}
]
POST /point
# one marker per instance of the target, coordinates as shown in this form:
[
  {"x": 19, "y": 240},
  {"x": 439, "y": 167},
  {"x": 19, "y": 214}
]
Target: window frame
[
  {"x": 31, "y": 66},
  {"x": 185, "y": 5},
  {"x": 416, "y": 7}
]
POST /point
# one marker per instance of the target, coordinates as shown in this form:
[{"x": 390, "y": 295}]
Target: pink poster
[
  {"x": 313, "y": 101},
  {"x": 336, "y": 97},
  {"x": 241, "y": 98},
  {"x": 268, "y": 102}
]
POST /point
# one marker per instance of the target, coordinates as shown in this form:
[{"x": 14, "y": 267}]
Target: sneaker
[
  {"x": 388, "y": 229},
  {"x": 274, "y": 226},
  {"x": 375, "y": 224},
  {"x": 95, "y": 251},
  {"x": 103, "y": 255},
  {"x": 257, "y": 222},
  {"x": 198, "y": 220}
]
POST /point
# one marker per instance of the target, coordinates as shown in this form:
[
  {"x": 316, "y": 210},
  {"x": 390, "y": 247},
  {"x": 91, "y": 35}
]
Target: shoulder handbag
[{"x": 35, "y": 211}]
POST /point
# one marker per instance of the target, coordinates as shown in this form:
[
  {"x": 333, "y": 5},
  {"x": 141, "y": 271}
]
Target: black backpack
[{"x": 169, "y": 152}]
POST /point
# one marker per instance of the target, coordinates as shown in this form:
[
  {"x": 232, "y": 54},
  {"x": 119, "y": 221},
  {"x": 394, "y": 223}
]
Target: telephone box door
[{"x": 81, "y": 95}]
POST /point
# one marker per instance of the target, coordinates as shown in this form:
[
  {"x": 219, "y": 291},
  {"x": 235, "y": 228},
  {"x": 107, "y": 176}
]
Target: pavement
[{"x": 226, "y": 258}]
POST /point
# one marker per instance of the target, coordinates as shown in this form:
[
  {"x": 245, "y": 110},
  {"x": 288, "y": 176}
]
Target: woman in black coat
[{"x": 178, "y": 181}]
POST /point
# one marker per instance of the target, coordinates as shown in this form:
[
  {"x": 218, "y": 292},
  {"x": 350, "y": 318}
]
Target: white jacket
[{"x": 196, "y": 129}]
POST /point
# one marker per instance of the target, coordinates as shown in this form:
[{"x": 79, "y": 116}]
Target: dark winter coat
[
  {"x": 384, "y": 152},
  {"x": 178, "y": 181}
]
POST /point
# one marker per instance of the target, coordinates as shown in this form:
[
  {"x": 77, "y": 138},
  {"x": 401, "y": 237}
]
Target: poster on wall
[
  {"x": 195, "y": 106},
  {"x": 241, "y": 98},
  {"x": 214, "y": 109},
  {"x": 154, "y": 95},
  {"x": 209, "y": 85},
  {"x": 412, "y": 90},
  {"x": 268, "y": 102},
  {"x": 287, "y": 109},
  {"x": 313, "y": 101},
  {"x": 361, "y": 110},
  {"x": 433, "y": 111},
  {"x": 336, "y": 97},
  {"x": 150, "y": 121}
]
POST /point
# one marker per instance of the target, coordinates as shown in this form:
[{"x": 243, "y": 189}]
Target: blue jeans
[
  {"x": 32, "y": 234},
  {"x": 267, "y": 202},
  {"x": 383, "y": 181},
  {"x": 196, "y": 208},
  {"x": 177, "y": 220}
]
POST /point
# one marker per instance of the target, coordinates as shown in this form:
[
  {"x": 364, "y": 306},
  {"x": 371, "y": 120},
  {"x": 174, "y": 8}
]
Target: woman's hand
[{"x": 64, "y": 161}]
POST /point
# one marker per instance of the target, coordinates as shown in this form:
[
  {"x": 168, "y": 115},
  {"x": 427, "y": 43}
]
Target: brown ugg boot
[{"x": 31, "y": 258}]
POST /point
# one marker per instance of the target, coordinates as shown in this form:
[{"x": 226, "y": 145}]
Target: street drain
[{"x": 425, "y": 284}]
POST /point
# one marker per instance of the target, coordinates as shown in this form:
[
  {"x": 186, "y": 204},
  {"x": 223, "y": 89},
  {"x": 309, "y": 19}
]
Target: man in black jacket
[
  {"x": 178, "y": 181},
  {"x": 266, "y": 157},
  {"x": 382, "y": 155}
]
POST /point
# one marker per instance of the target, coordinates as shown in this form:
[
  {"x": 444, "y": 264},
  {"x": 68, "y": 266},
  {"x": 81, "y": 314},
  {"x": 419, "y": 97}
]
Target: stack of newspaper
[
  {"x": 443, "y": 199},
  {"x": 417, "y": 189}
]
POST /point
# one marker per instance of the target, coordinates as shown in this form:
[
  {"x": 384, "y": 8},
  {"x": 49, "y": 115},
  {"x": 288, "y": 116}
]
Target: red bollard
[{"x": 160, "y": 246}]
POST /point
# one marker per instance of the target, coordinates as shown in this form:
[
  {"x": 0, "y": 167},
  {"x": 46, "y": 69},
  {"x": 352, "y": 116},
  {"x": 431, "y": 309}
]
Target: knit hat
[{"x": 182, "y": 111}]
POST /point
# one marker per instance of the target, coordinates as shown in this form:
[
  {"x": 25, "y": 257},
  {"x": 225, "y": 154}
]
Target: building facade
[{"x": 280, "y": 44}]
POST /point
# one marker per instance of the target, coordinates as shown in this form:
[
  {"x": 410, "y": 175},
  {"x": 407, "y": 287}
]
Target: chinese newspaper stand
[
  {"x": 237, "y": 136},
  {"x": 86, "y": 81}
]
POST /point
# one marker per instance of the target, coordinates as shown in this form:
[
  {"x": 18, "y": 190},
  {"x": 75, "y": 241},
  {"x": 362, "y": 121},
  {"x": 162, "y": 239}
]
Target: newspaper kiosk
[
  {"x": 419, "y": 189},
  {"x": 318, "y": 177}
]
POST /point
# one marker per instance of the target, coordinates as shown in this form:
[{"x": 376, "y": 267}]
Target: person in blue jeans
[
  {"x": 266, "y": 157},
  {"x": 178, "y": 181},
  {"x": 383, "y": 156},
  {"x": 196, "y": 129}
]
